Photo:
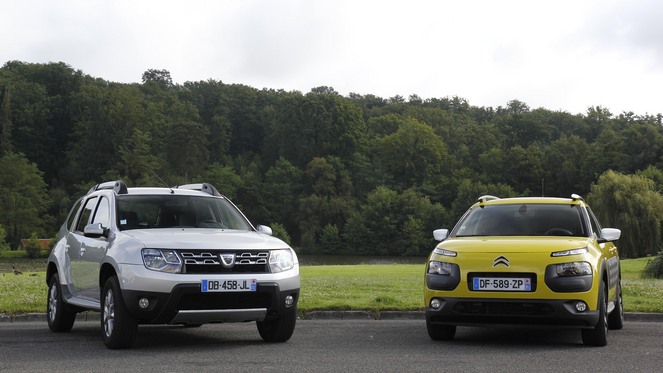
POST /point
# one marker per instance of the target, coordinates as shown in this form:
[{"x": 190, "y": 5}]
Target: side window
[
  {"x": 72, "y": 214},
  {"x": 102, "y": 215},
  {"x": 86, "y": 213},
  {"x": 596, "y": 228}
]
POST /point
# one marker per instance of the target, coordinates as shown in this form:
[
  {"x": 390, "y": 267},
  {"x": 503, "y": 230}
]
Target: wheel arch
[
  {"x": 105, "y": 272},
  {"x": 603, "y": 278},
  {"x": 50, "y": 271}
]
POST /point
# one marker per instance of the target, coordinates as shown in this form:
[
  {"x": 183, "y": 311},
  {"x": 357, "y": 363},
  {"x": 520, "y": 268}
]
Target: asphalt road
[{"x": 329, "y": 346}]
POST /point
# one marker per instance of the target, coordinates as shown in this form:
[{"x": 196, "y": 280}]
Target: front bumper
[
  {"x": 473, "y": 311},
  {"x": 177, "y": 298},
  {"x": 187, "y": 304}
]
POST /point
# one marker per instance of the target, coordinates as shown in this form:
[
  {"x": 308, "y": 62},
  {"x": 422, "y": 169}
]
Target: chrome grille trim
[{"x": 208, "y": 261}]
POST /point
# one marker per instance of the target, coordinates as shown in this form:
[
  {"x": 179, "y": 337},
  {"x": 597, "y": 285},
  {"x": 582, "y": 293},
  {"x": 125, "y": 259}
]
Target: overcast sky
[{"x": 557, "y": 54}]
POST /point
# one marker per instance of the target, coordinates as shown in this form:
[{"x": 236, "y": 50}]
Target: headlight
[
  {"x": 574, "y": 269},
  {"x": 281, "y": 260},
  {"x": 581, "y": 250},
  {"x": 162, "y": 260},
  {"x": 444, "y": 252},
  {"x": 440, "y": 268}
]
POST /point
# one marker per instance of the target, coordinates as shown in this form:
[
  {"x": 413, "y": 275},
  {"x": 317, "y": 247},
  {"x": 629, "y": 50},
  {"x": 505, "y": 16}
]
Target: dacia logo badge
[
  {"x": 501, "y": 260},
  {"x": 227, "y": 260}
]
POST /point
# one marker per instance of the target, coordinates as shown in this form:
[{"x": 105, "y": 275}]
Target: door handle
[{"x": 82, "y": 251}]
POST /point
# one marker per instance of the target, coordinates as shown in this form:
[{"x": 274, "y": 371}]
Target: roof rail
[
  {"x": 203, "y": 187},
  {"x": 486, "y": 197},
  {"x": 576, "y": 197},
  {"x": 118, "y": 186}
]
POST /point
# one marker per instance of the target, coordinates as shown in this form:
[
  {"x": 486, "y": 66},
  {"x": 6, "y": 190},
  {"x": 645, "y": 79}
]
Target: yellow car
[{"x": 525, "y": 261}]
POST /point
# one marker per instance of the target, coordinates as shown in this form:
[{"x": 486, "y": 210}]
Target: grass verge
[{"x": 376, "y": 288}]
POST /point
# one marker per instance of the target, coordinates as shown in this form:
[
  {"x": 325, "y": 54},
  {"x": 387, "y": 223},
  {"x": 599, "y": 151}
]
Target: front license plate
[
  {"x": 208, "y": 286},
  {"x": 501, "y": 284}
]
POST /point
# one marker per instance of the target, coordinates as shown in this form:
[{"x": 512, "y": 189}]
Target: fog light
[
  {"x": 143, "y": 303},
  {"x": 581, "y": 306},
  {"x": 435, "y": 303},
  {"x": 289, "y": 301}
]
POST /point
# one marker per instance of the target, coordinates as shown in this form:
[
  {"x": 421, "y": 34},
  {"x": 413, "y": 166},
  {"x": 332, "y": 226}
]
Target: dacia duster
[{"x": 181, "y": 255}]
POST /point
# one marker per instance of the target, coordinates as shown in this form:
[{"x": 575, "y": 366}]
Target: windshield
[
  {"x": 166, "y": 211},
  {"x": 523, "y": 220}
]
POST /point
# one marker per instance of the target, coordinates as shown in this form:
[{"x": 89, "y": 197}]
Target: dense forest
[{"x": 331, "y": 174}]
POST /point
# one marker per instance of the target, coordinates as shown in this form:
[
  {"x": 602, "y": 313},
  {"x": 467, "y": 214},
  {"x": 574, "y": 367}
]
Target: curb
[
  {"x": 421, "y": 315},
  {"x": 322, "y": 315},
  {"x": 643, "y": 316}
]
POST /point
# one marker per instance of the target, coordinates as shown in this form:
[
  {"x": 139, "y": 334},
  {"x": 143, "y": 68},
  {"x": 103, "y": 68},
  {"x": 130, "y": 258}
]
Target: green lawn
[
  {"x": 362, "y": 287},
  {"x": 337, "y": 287},
  {"x": 640, "y": 295}
]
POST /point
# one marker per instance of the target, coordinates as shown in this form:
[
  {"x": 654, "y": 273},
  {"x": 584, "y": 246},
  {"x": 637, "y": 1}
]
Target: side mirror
[
  {"x": 264, "y": 229},
  {"x": 440, "y": 234},
  {"x": 609, "y": 235},
  {"x": 94, "y": 230}
]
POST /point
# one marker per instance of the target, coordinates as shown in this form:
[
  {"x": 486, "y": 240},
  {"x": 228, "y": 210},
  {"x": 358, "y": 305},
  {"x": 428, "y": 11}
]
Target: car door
[
  {"x": 65, "y": 232},
  {"x": 92, "y": 251},
  {"x": 74, "y": 241},
  {"x": 611, "y": 254}
]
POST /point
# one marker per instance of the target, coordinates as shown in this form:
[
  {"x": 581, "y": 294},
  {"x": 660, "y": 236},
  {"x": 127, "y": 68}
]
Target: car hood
[
  {"x": 493, "y": 244},
  {"x": 195, "y": 238}
]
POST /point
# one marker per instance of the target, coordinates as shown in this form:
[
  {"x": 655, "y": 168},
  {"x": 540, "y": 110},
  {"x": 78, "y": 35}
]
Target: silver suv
[{"x": 181, "y": 255}]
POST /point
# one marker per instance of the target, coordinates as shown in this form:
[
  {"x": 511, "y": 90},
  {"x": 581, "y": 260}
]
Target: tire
[
  {"x": 280, "y": 329},
  {"x": 598, "y": 336},
  {"x": 59, "y": 315},
  {"x": 118, "y": 327},
  {"x": 440, "y": 332},
  {"x": 616, "y": 318}
]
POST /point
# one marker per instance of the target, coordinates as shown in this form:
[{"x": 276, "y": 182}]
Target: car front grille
[{"x": 235, "y": 261}]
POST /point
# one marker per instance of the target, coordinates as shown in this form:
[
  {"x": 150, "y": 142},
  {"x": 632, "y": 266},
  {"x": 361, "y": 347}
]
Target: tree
[
  {"x": 23, "y": 197},
  {"x": 330, "y": 240},
  {"x": 394, "y": 224},
  {"x": 524, "y": 169},
  {"x": 3, "y": 239},
  {"x": 412, "y": 154},
  {"x": 207, "y": 97},
  {"x": 159, "y": 77},
  {"x": 328, "y": 200},
  {"x": 316, "y": 125},
  {"x": 564, "y": 167},
  {"x": 643, "y": 143},
  {"x": 42, "y": 113},
  {"x": 138, "y": 160},
  {"x": 240, "y": 116},
  {"x": 224, "y": 178},
  {"x": 5, "y": 123},
  {"x": 655, "y": 174},
  {"x": 632, "y": 204},
  {"x": 281, "y": 191},
  {"x": 186, "y": 150},
  {"x": 468, "y": 191}
]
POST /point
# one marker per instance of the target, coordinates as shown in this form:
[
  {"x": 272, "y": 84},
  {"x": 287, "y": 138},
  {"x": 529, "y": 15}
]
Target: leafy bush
[
  {"x": 279, "y": 231},
  {"x": 654, "y": 267},
  {"x": 3, "y": 239},
  {"x": 330, "y": 240},
  {"x": 13, "y": 254},
  {"x": 33, "y": 248}
]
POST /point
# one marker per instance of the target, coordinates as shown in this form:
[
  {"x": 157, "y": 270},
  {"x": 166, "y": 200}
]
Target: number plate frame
[
  {"x": 510, "y": 284},
  {"x": 228, "y": 285}
]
